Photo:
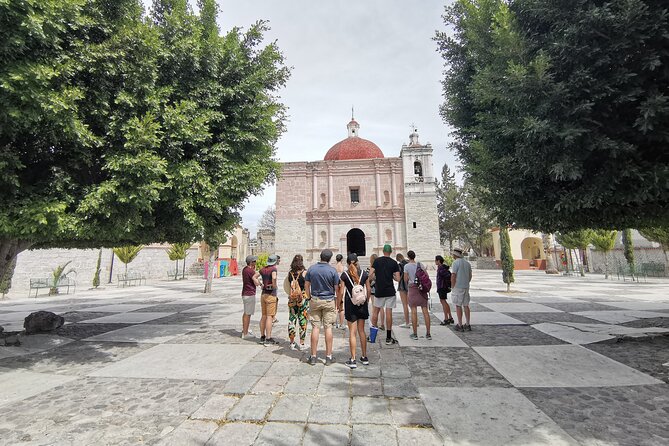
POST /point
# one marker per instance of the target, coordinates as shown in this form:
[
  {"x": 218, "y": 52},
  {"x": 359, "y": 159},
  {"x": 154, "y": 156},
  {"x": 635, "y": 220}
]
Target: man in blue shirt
[{"x": 320, "y": 286}]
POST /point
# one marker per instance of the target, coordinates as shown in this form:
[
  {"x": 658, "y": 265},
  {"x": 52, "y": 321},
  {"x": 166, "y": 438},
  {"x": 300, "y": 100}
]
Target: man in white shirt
[{"x": 461, "y": 276}]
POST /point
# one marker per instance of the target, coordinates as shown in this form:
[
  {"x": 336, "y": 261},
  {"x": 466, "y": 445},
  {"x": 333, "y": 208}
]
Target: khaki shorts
[
  {"x": 249, "y": 304},
  {"x": 460, "y": 297},
  {"x": 385, "y": 302},
  {"x": 268, "y": 304},
  {"x": 322, "y": 311}
]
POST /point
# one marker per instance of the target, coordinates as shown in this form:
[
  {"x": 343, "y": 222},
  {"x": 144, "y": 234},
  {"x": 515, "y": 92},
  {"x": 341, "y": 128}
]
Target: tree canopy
[
  {"x": 120, "y": 128},
  {"x": 561, "y": 109}
]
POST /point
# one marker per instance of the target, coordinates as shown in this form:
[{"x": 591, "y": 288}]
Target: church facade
[{"x": 357, "y": 200}]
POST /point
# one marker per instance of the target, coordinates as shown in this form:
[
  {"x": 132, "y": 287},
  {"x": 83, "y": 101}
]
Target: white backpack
[{"x": 358, "y": 293}]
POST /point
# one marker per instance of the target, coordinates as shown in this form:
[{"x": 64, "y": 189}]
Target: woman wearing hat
[{"x": 355, "y": 315}]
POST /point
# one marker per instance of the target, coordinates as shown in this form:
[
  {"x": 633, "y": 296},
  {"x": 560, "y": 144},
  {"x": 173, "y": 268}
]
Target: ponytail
[{"x": 353, "y": 272}]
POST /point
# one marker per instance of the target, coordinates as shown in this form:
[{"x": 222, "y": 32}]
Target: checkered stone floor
[{"x": 560, "y": 360}]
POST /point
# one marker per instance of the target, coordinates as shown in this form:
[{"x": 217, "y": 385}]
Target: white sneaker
[
  {"x": 248, "y": 335},
  {"x": 404, "y": 325},
  {"x": 293, "y": 346}
]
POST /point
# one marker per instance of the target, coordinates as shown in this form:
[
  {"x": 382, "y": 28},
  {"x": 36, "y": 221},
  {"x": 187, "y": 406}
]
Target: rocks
[
  {"x": 2, "y": 328},
  {"x": 11, "y": 340},
  {"x": 42, "y": 321}
]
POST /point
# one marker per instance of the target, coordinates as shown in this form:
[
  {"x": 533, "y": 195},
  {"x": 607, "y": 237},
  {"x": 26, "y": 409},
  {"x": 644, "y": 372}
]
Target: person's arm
[
  {"x": 340, "y": 296},
  {"x": 307, "y": 289},
  {"x": 274, "y": 280},
  {"x": 453, "y": 277},
  {"x": 406, "y": 277},
  {"x": 256, "y": 278},
  {"x": 470, "y": 275}
]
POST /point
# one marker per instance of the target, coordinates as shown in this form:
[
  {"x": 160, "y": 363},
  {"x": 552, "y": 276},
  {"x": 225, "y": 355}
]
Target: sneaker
[
  {"x": 248, "y": 335},
  {"x": 405, "y": 325},
  {"x": 450, "y": 321},
  {"x": 275, "y": 320},
  {"x": 413, "y": 336},
  {"x": 458, "y": 327},
  {"x": 467, "y": 327},
  {"x": 444, "y": 322},
  {"x": 382, "y": 328},
  {"x": 262, "y": 340},
  {"x": 329, "y": 360},
  {"x": 271, "y": 341},
  {"x": 350, "y": 363},
  {"x": 364, "y": 360},
  {"x": 428, "y": 337},
  {"x": 312, "y": 360},
  {"x": 293, "y": 346},
  {"x": 299, "y": 347},
  {"x": 391, "y": 341}
]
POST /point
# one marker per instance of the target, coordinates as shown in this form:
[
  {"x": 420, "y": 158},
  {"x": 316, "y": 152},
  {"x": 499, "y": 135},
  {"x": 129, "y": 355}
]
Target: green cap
[{"x": 387, "y": 248}]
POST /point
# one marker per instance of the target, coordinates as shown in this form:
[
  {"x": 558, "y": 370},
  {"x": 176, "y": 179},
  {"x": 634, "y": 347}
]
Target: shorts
[
  {"x": 443, "y": 293},
  {"x": 249, "y": 304},
  {"x": 460, "y": 297},
  {"x": 268, "y": 304},
  {"x": 385, "y": 302},
  {"x": 322, "y": 311}
]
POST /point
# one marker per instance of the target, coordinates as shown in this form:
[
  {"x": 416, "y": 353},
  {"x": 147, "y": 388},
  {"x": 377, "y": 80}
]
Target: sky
[{"x": 377, "y": 56}]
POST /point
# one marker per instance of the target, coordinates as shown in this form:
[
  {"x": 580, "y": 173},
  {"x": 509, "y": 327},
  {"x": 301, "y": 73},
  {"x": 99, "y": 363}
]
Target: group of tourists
[{"x": 326, "y": 295}]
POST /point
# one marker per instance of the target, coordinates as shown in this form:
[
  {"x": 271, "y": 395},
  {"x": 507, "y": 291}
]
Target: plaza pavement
[{"x": 163, "y": 364}]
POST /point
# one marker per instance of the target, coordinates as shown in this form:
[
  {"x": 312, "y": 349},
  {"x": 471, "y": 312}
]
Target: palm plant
[
  {"x": 59, "y": 274},
  {"x": 579, "y": 239},
  {"x": 176, "y": 252},
  {"x": 604, "y": 241},
  {"x": 127, "y": 254}
]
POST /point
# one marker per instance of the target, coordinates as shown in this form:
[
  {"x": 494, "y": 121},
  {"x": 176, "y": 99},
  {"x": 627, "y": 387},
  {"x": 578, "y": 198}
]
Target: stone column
[
  {"x": 330, "y": 190},
  {"x": 314, "y": 230},
  {"x": 330, "y": 235},
  {"x": 314, "y": 188},
  {"x": 378, "y": 186},
  {"x": 379, "y": 234},
  {"x": 393, "y": 186}
]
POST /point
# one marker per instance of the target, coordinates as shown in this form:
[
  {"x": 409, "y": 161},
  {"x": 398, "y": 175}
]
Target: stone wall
[
  {"x": 617, "y": 257},
  {"x": 424, "y": 238},
  {"x": 152, "y": 261}
]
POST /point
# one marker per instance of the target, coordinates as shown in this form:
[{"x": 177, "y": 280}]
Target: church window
[
  {"x": 389, "y": 235},
  {"x": 414, "y": 225},
  {"x": 355, "y": 195},
  {"x": 386, "y": 197},
  {"x": 322, "y": 200},
  {"x": 324, "y": 239},
  {"x": 418, "y": 168}
]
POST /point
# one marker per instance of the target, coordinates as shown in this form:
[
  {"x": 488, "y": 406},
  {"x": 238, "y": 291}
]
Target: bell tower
[{"x": 420, "y": 199}]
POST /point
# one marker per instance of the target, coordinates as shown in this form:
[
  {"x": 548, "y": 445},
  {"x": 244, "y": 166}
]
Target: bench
[
  {"x": 175, "y": 275},
  {"x": 40, "y": 283},
  {"x": 652, "y": 269},
  {"x": 130, "y": 279}
]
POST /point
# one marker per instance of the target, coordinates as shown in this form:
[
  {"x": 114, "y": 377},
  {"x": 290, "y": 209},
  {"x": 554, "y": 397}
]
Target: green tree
[
  {"x": 604, "y": 241},
  {"x": 561, "y": 122},
  {"x": 578, "y": 239},
  {"x": 176, "y": 252},
  {"x": 449, "y": 208},
  {"x": 476, "y": 220},
  {"x": 659, "y": 235},
  {"x": 127, "y": 254},
  {"x": 506, "y": 257},
  {"x": 118, "y": 130},
  {"x": 96, "y": 276},
  {"x": 628, "y": 247},
  {"x": 262, "y": 260}
]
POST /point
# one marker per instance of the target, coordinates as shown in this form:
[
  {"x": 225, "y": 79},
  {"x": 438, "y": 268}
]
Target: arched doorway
[
  {"x": 531, "y": 248},
  {"x": 355, "y": 242}
]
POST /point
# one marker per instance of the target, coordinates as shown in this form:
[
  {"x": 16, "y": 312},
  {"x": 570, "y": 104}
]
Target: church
[{"x": 356, "y": 200}]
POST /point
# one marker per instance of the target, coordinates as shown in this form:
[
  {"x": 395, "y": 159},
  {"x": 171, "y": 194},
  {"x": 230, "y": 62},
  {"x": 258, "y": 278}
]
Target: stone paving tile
[
  {"x": 619, "y": 316},
  {"x": 451, "y": 367},
  {"x": 409, "y": 412},
  {"x": 634, "y": 415},
  {"x": 302, "y": 385},
  {"x": 365, "y": 434},
  {"x": 484, "y": 299},
  {"x": 560, "y": 366},
  {"x": 578, "y": 306},
  {"x": 166, "y": 308},
  {"x": 76, "y": 358},
  {"x": 240, "y": 384},
  {"x": 537, "y": 318},
  {"x": 126, "y": 318},
  {"x": 330, "y": 410},
  {"x": 366, "y": 387},
  {"x": 327, "y": 435},
  {"x": 399, "y": 388},
  {"x": 183, "y": 318},
  {"x": 370, "y": 410},
  {"x": 498, "y": 335},
  {"x": 407, "y": 436},
  {"x": 478, "y": 415},
  {"x": 292, "y": 408},
  {"x": 82, "y": 331},
  {"x": 280, "y": 434},
  {"x": 19, "y": 385},
  {"x": 238, "y": 434},
  {"x": 646, "y": 355},
  {"x": 252, "y": 407},
  {"x": 270, "y": 384},
  {"x": 516, "y": 307},
  {"x": 144, "y": 333},
  {"x": 190, "y": 433},
  {"x": 662, "y": 322},
  {"x": 78, "y": 316},
  {"x": 255, "y": 368},
  {"x": 334, "y": 386},
  {"x": 215, "y": 408}
]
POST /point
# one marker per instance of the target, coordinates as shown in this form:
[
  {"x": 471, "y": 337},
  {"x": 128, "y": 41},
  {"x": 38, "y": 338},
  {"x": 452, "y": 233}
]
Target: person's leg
[
  {"x": 446, "y": 308},
  {"x": 381, "y": 318},
  {"x": 329, "y": 318},
  {"x": 375, "y": 316},
  {"x": 328, "y": 340},
  {"x": 263, "y": 315},
  {"x": 351, "y": 338},
  {"x": 414, "y": 320},
  {"x": 315, "y": 331},
  {"x": 292, "y": 322},
  {"x": 303, "y": 316},
  {"x": 466, "y": 314},
  {"x": 458, "y": 310},
  {"x": 361, "y": 335},
  {"x": 389, "y": 321},
  {"x": 426, "y": 316},
  {"x": 246, "y": 321},
  {"x": 404, "y": 296}
]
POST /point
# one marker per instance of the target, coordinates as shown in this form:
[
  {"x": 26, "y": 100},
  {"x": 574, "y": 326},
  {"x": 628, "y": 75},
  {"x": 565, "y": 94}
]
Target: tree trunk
[
  {"x": 550, "y": 267},
  {"x": 183, "y": 274},
  {"x": 210, "y": 272},
  {"x": 9, "y": 250},
  {"x": 508, "y": 287},
  {"x": 582, "y": 255},
  {"x": 606, "y": 265},
  {"x": 176, "y": 270}
]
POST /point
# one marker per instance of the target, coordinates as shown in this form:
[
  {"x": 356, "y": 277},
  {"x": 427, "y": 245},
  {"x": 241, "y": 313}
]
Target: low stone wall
[
  {"x": 152, "y": 261},
  {"x": 617, "y": 257},
  {"x": 486, "y": 263}
]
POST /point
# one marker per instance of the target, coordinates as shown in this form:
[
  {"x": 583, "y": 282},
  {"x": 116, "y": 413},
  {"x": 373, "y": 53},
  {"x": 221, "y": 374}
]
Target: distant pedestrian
[
  {"x": 250, "y": 281},
  {"x": 461, "y": 276},
  {"x": 356, "y": 314},
  {"x": 321, "y": 284},
  {"x": 298, "y": 306},
  {"x": 268, "y": 301},
  {"x": 443, "y": 288},
  {"x": 340, "y": 267},
  {"x": 417, "y": 296},
  {"x": 403, "y": 290},
  {"x": 385, "y": 270}
]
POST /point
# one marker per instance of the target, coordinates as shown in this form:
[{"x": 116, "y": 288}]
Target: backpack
[
  {"x": 358, "y": 293},
  {"x": 295, "y": 291},
  {"x": 423, "y": 280}
]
